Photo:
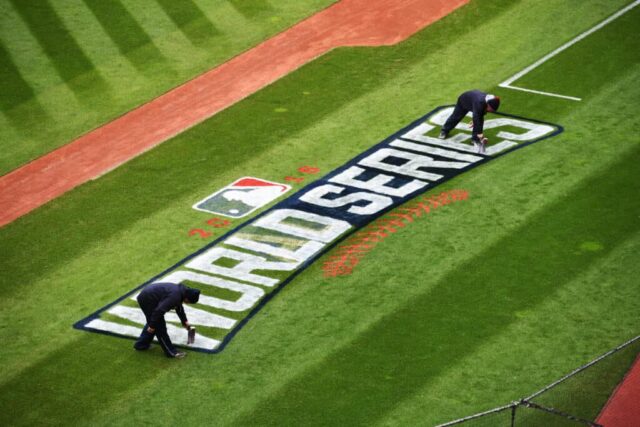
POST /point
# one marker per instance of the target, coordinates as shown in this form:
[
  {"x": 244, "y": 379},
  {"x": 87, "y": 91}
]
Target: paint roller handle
[{"x": 191, "y": 335}]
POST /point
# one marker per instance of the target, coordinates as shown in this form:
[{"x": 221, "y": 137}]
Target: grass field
[{"x": 480, "y": 303}]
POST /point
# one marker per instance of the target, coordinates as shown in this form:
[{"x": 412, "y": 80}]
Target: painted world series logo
[{"x": 244, "y": 269}]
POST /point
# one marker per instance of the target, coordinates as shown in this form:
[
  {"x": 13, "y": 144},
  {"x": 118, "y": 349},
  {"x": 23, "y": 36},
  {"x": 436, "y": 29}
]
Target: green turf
[
  {"x": 479, "y": 303},
  {"x": 613, "y": 49},
  {"x": 69, "y": 67}
]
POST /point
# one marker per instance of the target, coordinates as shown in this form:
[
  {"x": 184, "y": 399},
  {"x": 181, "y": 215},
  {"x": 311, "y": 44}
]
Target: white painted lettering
[
  {"x": 249, "y": 295},
  {"x": 377, "y": 183},
  {"x": 456, "y": 141},
  {"x": 242, "y": 270},
  {"x": 534, "y": 130},
  {"x": 321, "y": 228},
  {"x": 301, "y": 254},
  {"x": 436, "y": 151},
  {"x": 411, "y": 167},
  {"x": 376, "y": 203}
]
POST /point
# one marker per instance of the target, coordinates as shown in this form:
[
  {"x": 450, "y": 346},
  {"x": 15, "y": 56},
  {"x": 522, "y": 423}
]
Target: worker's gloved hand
[{"x": 186, "y": 325}]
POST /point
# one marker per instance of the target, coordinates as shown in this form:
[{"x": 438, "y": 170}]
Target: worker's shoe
[
  {"x": 443, "y": 135},
  {"x": 180, "y": 355}
]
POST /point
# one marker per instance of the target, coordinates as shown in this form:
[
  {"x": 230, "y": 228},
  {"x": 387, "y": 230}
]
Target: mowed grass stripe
[
  {"x": 15, "y": 91},
  {"x": 64, "y": 52},
  {"x": 46, "y": 26},
  {"x": 13, "y": 87},
  {"x": 18, "y": 39},
  {"x": 190, "y": 19},
  {"x": 98, "y": 386},
  {"x": 125, "y": 32}
]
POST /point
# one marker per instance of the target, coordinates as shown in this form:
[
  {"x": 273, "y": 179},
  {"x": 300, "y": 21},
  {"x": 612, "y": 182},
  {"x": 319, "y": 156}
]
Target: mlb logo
[{"x": 242, "y": 197}]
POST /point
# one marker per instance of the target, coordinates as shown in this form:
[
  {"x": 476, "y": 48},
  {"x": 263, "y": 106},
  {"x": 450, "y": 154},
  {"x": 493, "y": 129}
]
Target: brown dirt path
[
  {"x": 623, "y": 407},
  {"x": 346, "y": 23}
]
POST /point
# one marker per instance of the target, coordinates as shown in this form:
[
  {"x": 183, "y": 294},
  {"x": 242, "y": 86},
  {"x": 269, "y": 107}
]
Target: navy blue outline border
[{"x": 80, "y": 325}]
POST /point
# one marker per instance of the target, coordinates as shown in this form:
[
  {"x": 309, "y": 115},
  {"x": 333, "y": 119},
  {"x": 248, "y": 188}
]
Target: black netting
[
  {"x": 573, "y": 400},
  {"x": 585, "y": 393},
  {"x": 530, "y": 417}
]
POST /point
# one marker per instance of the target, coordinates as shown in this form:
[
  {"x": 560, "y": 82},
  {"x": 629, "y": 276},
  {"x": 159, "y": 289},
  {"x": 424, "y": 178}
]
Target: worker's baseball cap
[
  {"x": 493, "y": 102},
  {"x": 192, "y": 295}
]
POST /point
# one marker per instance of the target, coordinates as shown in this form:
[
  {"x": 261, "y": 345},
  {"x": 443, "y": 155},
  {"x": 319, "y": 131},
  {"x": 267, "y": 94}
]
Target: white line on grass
[{"x": 507, "y": 83}]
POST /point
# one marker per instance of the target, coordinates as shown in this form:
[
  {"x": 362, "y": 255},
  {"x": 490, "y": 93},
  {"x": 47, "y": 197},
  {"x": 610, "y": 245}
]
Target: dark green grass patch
[
  {"x": 72, "y": 383},
  {"x": 14, "y": 88},
  {"x": 190, "y": 19},
  {"x": 65, "y": 53},
  {"x": 125, "y": 32},
  {"x": 69, "y": 59}
]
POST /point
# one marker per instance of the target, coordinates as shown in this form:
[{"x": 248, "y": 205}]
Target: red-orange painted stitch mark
[
  {"x": 402, "y": 216},
  {"x": 388, "y": 226},
  {"x": 218, "y": 222},
  {"x": 293, "y": 179},
  {"x": 348, "y": 255},
  {"x": 457, "y": 195},
  {"x": 308, "y": 170},
  {"x": 199, "y": 232},
  {"x": 345, "y": 23},
  {"x": 417, "y": 209}
]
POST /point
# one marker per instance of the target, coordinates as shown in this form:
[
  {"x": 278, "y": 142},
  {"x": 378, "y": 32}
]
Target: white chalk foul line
[
  {"x": 508, "y": 83},
  {"x": 539, "y": 92}
]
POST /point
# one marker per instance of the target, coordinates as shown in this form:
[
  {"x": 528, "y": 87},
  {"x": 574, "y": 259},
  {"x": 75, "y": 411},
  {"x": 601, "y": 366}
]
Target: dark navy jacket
[
  {"x": 160, "y": 298},
  {"x": 474, "y": 101}
]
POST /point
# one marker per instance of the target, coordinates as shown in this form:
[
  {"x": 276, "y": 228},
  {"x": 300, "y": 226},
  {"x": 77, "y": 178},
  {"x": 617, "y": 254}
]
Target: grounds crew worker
[
  {"x": 479, "y": 103},
  {"x": 155, "y": 300}
]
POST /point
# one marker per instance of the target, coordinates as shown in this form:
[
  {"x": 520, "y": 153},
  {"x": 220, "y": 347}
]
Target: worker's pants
[
  {"x": 145, "y": 339},
  {"x": 458, "y": 114}
]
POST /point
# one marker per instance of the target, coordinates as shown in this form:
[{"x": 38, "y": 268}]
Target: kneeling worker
[
  {"x": 479, "y": 103},
  {"x": 157, "y": 299}
]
